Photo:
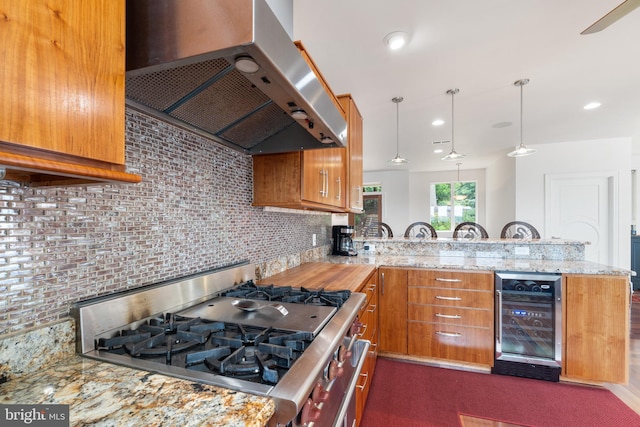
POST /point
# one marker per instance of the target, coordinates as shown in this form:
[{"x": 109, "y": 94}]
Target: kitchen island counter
[
  {"x": 103, "y": 394},
  {"x": 447, "y": 261}
]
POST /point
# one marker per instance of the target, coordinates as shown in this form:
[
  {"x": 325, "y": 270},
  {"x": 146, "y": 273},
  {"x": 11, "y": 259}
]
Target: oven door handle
[{"x": 362, "y": 348}]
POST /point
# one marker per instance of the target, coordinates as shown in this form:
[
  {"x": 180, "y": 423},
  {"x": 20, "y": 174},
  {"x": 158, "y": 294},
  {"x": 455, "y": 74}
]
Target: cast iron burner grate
[
  {"x": 250, "y": 290},
  {"x": 257, "y": 354}
]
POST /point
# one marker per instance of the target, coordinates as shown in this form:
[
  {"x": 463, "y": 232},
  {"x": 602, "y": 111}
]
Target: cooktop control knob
[
  {"x": 356, "y": 327},
  {"x": 343, "y": 354},
  {"x": 319, "y": 394},
  {"x": 310, "y": 413},
  {"x": 335, "y": 370}
]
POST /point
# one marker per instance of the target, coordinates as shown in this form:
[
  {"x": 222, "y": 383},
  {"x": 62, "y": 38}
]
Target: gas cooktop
[{"x": 295, "y": 341}]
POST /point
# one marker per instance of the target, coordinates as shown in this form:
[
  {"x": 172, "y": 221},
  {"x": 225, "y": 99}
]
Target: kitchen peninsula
[{"x": 595, "y": 300}]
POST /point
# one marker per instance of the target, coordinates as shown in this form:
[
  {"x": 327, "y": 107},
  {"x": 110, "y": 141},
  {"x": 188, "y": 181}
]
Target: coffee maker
[{"x": 342, "y": 240}]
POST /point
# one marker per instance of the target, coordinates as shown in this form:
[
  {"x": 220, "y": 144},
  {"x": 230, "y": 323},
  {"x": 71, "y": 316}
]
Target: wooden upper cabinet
[
  {"x": 354, "y": 154},
  {"x": 62, "y": 78},
  {"x": 313, "y": 179}
]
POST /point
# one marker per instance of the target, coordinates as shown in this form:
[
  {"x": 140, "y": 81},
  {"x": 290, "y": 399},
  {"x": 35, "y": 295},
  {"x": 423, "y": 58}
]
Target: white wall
[
  {"x": 405, "y": 195},
  {"x": 610, "y": 155},
  {"x": 513, "y": 189},
  {"x": 501, "y": 195},
  {"x": 395, "y": 197}
]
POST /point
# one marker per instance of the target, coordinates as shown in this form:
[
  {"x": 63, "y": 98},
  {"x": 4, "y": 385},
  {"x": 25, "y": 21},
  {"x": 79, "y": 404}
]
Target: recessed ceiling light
[
  {"x": 438, "y": 150},
  {"x": 396, "y": 40},
  {"x": 592, "y": 105},
  {"x": 437, "y": 122}
]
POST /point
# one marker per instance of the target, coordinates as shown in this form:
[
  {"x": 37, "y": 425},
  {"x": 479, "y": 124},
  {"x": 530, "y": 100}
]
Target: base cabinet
[
  {"x": 596, "y": 328},
  {"x": 450, "y": 315},
  {"x": 368, "y": 317},
  {"x": 393, "y": 309}
]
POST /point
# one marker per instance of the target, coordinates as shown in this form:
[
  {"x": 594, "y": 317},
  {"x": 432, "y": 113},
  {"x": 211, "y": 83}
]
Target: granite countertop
[
  {"x": 485, "y": 241},
  {"x": 479, "y": 263},
  {"x": 102, "y": 394}
]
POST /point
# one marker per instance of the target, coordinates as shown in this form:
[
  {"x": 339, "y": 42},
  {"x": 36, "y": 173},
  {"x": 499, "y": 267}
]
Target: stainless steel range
[{"x": 295, "y": 345}]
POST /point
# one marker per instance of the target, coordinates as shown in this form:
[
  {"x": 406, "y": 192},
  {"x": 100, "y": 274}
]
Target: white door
[{"x": 579, "y": 207}]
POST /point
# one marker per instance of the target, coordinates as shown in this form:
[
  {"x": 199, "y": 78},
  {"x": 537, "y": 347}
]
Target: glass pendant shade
[
  {"x": 453, "y": 155},
  {"x": 397, "y": 160},
  {"x": 521, "y": 150}
]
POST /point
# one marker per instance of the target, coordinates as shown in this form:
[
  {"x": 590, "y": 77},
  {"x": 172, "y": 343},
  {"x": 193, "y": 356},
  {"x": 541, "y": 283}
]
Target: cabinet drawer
[
  {"x": 478, "y": 280},
  {"x": 371, "y": 291},
  {"x": 452, "y": 342},
  {"x": 451, "y": 315},
  {"x": 368, "y": 317},
  {"x": 451, "y": 297}
]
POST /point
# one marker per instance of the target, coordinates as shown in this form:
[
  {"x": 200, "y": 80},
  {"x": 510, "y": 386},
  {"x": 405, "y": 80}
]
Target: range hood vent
[{"x": 181, "y": 57}]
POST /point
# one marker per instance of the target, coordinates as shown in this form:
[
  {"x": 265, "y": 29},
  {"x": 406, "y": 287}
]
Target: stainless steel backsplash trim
[{"x": 109, "y": 313}]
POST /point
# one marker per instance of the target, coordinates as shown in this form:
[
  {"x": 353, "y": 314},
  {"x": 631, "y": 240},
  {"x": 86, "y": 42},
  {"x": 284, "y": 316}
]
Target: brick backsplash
[{"x": 191, "y": 213}]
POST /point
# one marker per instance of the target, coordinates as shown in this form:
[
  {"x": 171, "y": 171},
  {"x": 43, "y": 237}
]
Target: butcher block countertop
[{"x": 322, "y": 275}]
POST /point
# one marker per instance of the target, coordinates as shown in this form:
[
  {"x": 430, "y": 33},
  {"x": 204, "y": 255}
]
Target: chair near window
[
  {"x": 519, "y": 230},
  {"x": 421, "y": 230},
  {"x": 378, "y": 230},
  {"x": 470, "y": 230}
]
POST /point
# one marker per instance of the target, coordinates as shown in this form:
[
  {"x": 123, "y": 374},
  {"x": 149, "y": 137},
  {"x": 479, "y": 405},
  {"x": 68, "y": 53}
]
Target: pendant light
[
  {"x": 397, "y": 160},
  {"x": 521, "y": 150},
  {"x": 452, "y": 154},
  {"x": 459, "y": 197}
]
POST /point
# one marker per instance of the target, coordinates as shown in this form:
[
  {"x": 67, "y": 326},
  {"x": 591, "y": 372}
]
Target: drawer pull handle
[
  {"x": 372, "y": 308},
  {"x": 362, "y": 330},
  {"x": 372, "y": 287},
  {"x": 442, "y": 279},
  {"x": 366, "y": 379},
  {"x": 449, "y": 334},
  {"x": 449, "y": 316},
  {"x": 449, "y": 298}
]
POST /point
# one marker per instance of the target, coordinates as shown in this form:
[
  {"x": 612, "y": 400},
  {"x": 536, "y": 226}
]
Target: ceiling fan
[{"x": 621, "y": 10}]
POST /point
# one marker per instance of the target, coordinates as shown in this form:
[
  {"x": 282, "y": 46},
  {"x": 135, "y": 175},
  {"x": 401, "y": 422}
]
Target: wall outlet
[
  {"x": 368, "y": 247},
  {"x": 522, "y": 250},
  {"x": 314, "y": 239}
]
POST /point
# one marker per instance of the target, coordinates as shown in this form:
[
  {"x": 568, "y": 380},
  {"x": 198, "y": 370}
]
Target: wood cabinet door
[
  {"x": 336, "y": 179},
  {"x": 62, "y": 76},
  {"x": 596, "y": 327},
  {"x": 314, "y": 176},
  {"x": 392, "y": 313},
  {"x": 354, "y": 154}
]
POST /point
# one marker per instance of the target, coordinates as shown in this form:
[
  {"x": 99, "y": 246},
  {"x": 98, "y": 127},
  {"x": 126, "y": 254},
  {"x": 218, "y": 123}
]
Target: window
[
  {"x": 371, "y": 216},
  {"x": 452, "y": 203}
]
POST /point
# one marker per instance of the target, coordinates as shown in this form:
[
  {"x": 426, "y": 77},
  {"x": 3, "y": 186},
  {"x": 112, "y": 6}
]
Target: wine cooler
[{"x": 528, "y": 325}]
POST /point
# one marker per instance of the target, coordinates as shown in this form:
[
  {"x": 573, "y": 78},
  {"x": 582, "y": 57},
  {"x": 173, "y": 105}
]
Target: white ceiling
[{"x": 481, "y": 47}]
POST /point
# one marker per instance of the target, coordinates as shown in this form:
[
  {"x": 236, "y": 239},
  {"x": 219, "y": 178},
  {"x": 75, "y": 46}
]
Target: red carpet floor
[{"x": 412, "y": 395}]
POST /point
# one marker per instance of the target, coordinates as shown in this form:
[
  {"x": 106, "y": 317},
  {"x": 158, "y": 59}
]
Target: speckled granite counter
[
  {"x": 542, "y": 249},
  {"x": 479, "y": 263},
  {"x": 542, "y": 255},
  {"x": 103, "y": 394}
]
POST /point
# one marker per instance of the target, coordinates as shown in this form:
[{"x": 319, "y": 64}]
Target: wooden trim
[{"x": 51, "y": 171}]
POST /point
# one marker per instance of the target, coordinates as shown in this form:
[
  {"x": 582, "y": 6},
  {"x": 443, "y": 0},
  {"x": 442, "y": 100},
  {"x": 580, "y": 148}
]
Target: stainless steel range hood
[{"x": 181, "y": 67}]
